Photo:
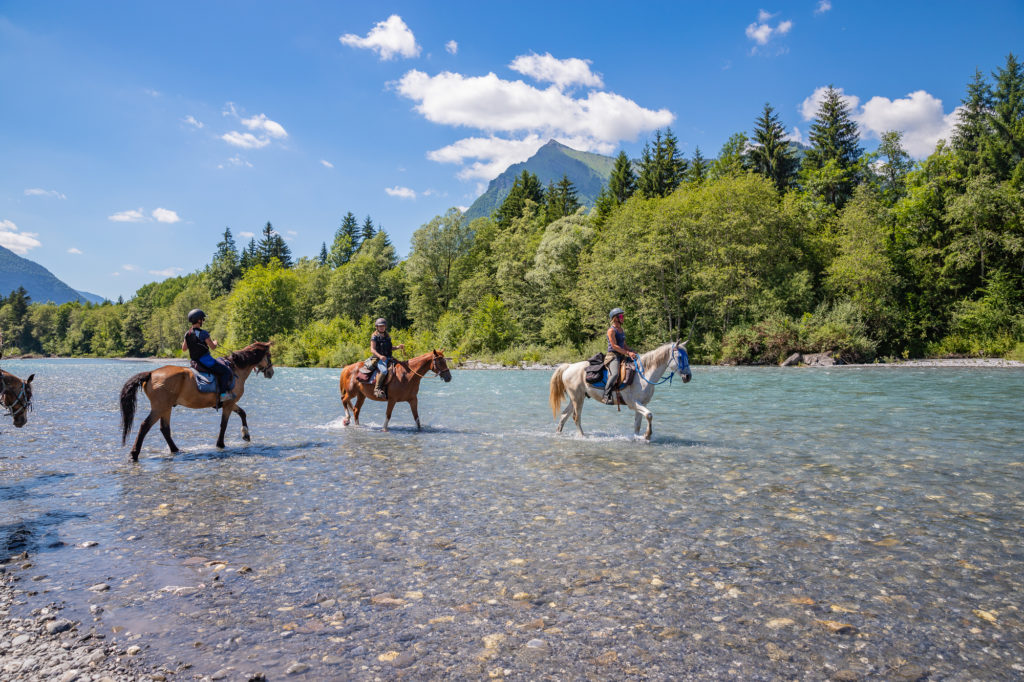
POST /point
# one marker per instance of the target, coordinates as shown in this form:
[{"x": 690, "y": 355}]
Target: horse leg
[
  {"x": 225, "y": 413},
  {"x": 245, "y": 424},
  {"x": 387, "y": 416},
  {"x": 360, "y": 399},
  {"x": 636, "y": 422},
  {"x": 415, "y": 413},
  {"x": 643, "y": 411},
  {"x": 144, "y": 428},
  {"x": 165, "y": 429},
  {"x": 569, "y": 408}
]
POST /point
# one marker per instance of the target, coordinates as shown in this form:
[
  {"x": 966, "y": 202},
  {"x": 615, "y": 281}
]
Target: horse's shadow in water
[
  {"x": 34, "y": 535},
  {"x": 22, "y": 490},
  {"x": 275, "y": 451}
]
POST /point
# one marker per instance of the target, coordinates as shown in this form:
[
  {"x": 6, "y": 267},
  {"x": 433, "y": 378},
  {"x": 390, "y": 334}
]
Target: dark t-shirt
[
  {"x": 620, "y": 339},
  {"x": 195, "y": 339},
  {"x": 381, "y": 343}
]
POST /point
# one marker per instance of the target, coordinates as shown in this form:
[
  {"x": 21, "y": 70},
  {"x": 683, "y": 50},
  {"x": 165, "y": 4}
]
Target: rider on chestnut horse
[
  {"x": 197, "y": 342},
  {"x": 381, "y": 347}
]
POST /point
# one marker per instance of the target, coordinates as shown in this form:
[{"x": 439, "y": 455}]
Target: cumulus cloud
[
  {"x": 389, "y": 39},
  {"x": 15, "y": 240},
  {"x": 795, "y": 136},
  {"x": 264, "y": 124},
  {"x": 561, "y": 72},
  {"x": 400, "y": 192},
  {"x": 451, "y": 47},
  {"x": 761, "y": 31},
  {"x": 326, "y": 164},
  {"x": 166, "y": 272},
  {"x": 134, "y": 216},
  {"x": 192, "y": 121},
  {"x": 245, "y": 140},
  {"x": 75, "y": 251},
  {"x": 247, "y": 235},
  {"x": 823, "y": 6},
  {"x": 919, "y": 116},
  {"x": 130, "y": 268},
  {"x": 165, "y": 215},
  {"x": 38, "y": 192},
  {"x": 528, "y": 115},
  {"x": 235, "y": 160}
]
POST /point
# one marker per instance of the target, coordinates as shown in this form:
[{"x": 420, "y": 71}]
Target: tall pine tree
[
  {"x": 272, "y": 245},
  {"x": 346, "y": 239},
  {"x": 368, "y": 230},
  {"x": 698, "y": 168},
  {"x": 662, "y": 166},
  {"x": 973, "y": 126},
  {"x": 622, "y": 182},
  {"x": 560, "y": 200},
  {"x": 770, "y": 155},
  {"x": 225, "y": 267},
  {"x": 835, "y": 150},
  {"x": 1004, "y": 149},
  {"x": 526, "y": 187},
  {"x": 250, "y": 256}
]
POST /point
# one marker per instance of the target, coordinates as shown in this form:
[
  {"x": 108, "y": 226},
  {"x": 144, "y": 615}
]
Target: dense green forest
[{"x": 751, "y": 255}]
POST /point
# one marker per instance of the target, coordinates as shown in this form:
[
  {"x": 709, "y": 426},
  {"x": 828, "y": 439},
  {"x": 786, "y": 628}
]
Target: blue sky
[{"x": 133, "y": 133}]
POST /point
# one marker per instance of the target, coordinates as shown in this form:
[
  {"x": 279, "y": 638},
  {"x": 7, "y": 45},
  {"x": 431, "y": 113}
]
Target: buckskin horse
[
  {"x": 175, "y": 385},
  {"x": 570, "y": 380},
  {"x": 15, "y": 394},
  {"x": 402, "y": 386}
]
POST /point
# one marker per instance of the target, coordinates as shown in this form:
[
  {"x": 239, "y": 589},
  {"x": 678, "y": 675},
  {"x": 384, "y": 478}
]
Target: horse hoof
[
  {"x": 220, "y": 446},
  {"x": 344, "y": 422}
]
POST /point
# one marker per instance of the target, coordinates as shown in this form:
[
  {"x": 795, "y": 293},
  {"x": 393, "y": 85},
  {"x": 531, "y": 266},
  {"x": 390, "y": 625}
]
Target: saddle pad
[
  {"x": 364, "y": 378},
  {"x": 205, "y": 383}
]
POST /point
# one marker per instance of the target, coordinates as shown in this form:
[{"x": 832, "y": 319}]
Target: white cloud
[
  {"x": 561, "y": 72},
  {"x": 165, "y": 215},
  {"x": 15, "y": 240},
  {"x": 262, "y": 123},
  {"x": 292, "y": 233},
  {"x": 761, "y": 31},
  {"x": 823, "y": 6},
  {"x": 326, "y": 164},
  {"x": 191, "y": 120},
  {"x": 136, "y": 216},
  {"x": 597, "y": 122},
  {"x": 37, "y": 192},
  {"x": 235, "y": 160},
  {"x": 389, "y": 39},
  {"x": 451, "y": 47},
  {"x": 463, "y": 208},
  {"x": 166, "y": 272},
  {"x": 400, "y": 192},
  {"x": 115, "y": 274},
  {"x": 130, "y": 268},
  {"x": 796, "y": 136},
  {"x": 247, "y": 235},
  {"x": 75, "y": 251},
  {"x": 245, "y": 140},
  {"x": 919, "y": 116}
]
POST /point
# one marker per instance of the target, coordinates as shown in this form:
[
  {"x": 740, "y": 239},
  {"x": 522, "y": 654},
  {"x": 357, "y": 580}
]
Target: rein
[
  {"x": 430, "y": 368},
  {"x": 672, "y": 373}
]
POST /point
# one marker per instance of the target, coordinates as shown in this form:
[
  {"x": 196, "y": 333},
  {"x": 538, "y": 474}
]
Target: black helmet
[
  {"x": 380, "y": 321},
  {"x": 614, "y": 312},
  {"x": 196, "y": 315}
]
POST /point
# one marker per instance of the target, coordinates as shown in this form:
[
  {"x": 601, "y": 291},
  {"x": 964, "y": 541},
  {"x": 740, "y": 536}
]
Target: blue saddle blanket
[
  {"x": 603, "y": 381},
  {"x": 205, "y": 382}
]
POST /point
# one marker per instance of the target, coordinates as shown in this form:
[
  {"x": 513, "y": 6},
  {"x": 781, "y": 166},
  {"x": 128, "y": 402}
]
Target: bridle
[
  {"x": 432, "y": 368},
  {"x": 22, "y": 397},
  {"x": 681, "y": 364},
  {"x": 263, "y": 370}
]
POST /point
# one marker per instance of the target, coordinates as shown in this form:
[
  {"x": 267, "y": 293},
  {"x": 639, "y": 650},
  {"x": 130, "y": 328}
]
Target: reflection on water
[{"x": 856, "y": 521}]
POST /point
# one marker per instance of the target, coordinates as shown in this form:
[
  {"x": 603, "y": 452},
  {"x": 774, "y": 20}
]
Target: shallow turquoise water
[{"x": 769, "y": 503}]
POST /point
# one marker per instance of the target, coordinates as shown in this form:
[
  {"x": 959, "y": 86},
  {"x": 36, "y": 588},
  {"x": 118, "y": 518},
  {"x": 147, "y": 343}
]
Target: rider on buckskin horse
[
  {"x": 617, "y": 350},
  {"x": 197, "y": 342},
  {"x": 380, "y": 346}
]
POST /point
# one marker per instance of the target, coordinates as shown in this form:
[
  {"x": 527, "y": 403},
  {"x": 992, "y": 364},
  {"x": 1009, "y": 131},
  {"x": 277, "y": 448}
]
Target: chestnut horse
[
  {"x": 402, "y": 386},
  {"x": 15, "y": 394},
  {"x": 175, "y": 385}
]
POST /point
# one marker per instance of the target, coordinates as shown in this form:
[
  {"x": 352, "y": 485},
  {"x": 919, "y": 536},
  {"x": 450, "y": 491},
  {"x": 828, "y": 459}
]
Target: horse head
[
  {"x": 439, "y": 365},
  {"x": 16, "y": 396},
  {"x": 266, "y": 365},
  {"x": 681, "y": 361}
]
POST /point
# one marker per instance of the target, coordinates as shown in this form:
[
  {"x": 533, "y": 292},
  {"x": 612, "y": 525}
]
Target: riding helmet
[
  {"x": 380, "y": 321},
  {"x": 196, "y": 315},
  {"x": 614, "y": 312}
]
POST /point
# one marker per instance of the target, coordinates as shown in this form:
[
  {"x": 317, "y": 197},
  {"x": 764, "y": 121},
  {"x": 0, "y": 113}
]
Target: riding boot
[
  {"x": 378, "y": 385},
  {"x": 608, "y": 398}
]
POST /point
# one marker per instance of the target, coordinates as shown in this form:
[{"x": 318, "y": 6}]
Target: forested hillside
[{"x": 751, "y": 255}]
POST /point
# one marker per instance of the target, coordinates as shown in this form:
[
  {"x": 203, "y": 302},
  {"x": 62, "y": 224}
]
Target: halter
[
  {"x": 428, "y": 369},
  {"x": 21, "y": 397},
  {"x": 682, "y": 363},
  {"x": 263, "y": 370}
]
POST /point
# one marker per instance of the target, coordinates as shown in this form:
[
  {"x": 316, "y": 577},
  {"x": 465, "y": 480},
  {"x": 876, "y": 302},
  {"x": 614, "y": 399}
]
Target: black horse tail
[{"x": 129, "y": 395}]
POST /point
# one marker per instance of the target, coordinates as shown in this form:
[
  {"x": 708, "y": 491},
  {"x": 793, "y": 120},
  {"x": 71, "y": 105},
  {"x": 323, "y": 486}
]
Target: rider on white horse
[{"x": 617, "y": 350}]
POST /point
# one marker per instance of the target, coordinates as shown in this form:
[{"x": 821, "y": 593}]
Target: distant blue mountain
[{"x": 41, "y": 284}]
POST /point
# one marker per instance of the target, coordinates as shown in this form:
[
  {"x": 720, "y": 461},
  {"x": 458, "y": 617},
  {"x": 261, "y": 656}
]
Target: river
[{"x": 843, "y": 523}]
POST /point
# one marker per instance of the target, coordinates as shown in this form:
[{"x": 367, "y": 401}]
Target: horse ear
[
  {"x": 30, "y": 378},
  {"x": 683, "y": 344},
  {"x": 439, "y": 352}
]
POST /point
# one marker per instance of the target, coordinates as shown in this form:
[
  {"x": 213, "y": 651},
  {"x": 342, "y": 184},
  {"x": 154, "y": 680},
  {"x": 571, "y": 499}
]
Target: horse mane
[
  {"x": 250, "y": 355},
  {"x": 661, "y": 354}
]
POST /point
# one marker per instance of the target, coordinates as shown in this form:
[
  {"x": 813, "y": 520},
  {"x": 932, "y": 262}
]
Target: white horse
[{"x": 570, "y": 379}]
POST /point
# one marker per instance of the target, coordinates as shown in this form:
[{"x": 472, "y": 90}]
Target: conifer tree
[
  {"x": 622, "y": 182},
  {"x": 1004, "y": 149},
  {"x": 345, "y": 241},
  {"x": 698, "y": 168},
  {"x": 526, "y": 187},
  {"x": 770, "y": 155},
  {"x": 322, "y": 258},
  {"x": 662, "y": 167},
  {"x": 894, "y": 166},
  {"x": 973, "y": 126},
  {"x": 225, "y": 267},
  {"x": 834, "y": 138},
  {"x": 368, "y": 230},
  {"x": 272, "y": 245},
  {"x": 561, "y": 199},
  {"x": 249, "y": 257}
]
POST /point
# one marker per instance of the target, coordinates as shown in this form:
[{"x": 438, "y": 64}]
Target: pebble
[
  {"x": 99, "y": 587},
  {"x": 296, "y": 669}
]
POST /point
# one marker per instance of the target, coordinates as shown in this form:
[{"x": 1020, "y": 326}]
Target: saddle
[
  {"x": 368, "y": 372},
  {"x": 206, "y": 382},
  {"x": 597, "y": 372}
]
